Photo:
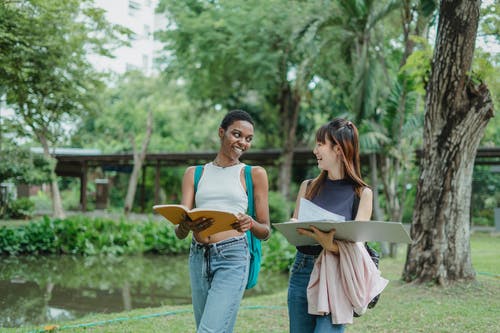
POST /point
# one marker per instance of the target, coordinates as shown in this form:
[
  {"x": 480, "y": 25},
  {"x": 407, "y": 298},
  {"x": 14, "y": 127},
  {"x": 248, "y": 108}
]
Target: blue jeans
[
  {"x": 219, "y": 274},
  {"x": 300, "y": 320}
]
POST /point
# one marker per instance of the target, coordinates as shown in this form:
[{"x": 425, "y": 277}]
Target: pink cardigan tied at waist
[{"x": 341, "y": 284}]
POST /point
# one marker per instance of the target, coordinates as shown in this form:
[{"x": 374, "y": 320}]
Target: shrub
[
  {"x": 278, "y": 208},
  {"x": 81, "y": 235},
  {"x": 21, "y": 208},
  {"x": 91, "y": 236},
  {"x": 277, "y": 253},
  {"x": 484, "y": 217}
]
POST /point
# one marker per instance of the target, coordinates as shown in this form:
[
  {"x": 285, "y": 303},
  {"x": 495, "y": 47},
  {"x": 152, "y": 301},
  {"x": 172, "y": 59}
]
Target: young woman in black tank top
[{"x": 340, "y": 189}]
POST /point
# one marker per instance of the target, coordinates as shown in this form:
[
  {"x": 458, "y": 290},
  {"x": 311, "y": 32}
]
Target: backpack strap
[
  {"x": 249, "y": 183},
  {"x": 197, "y": 175},
  {"x": 254, "y": 244},
  {"x": 355, "y": 206}
]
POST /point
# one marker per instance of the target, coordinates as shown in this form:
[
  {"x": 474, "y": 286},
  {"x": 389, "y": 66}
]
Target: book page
[
  {"x": 309, "y": 211},
  {"x": 173, "y": 213}
]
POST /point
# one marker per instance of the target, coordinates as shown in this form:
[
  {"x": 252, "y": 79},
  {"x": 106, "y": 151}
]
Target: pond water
[{"x": 40, "y": 290}]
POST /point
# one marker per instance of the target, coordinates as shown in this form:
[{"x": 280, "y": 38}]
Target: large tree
[
  {"x": 458, "y": 108},
  {"x": 257, "y": 54},
  {"x": 45, "y": 73}
]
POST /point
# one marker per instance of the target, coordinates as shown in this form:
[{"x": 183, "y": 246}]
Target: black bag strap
[{"x": 355, "y": 206}]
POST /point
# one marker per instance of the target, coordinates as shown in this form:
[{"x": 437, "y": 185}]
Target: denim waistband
[
  {"x": 221, "y": 243},
  {"x": 306, "y": 256}
]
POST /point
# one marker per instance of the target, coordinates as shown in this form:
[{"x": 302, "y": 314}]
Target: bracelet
[{"x": 268, "y": 235}]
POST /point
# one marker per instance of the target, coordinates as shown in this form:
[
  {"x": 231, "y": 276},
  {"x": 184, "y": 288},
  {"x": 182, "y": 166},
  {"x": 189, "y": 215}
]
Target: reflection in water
[{"x": 38, "y": 290}]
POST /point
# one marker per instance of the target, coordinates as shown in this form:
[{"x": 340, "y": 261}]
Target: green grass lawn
[{"x": 471, "y": 307}]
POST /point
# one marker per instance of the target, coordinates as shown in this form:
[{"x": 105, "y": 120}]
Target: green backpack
[{"x": 254, "y": 244}]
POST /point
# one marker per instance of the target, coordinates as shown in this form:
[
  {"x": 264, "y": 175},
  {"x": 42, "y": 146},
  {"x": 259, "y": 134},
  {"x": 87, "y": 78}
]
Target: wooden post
[
  {"x": 143, "y": 190},
  {"x": 83, "y": 187},
  {"x": 157, "y": 183}
]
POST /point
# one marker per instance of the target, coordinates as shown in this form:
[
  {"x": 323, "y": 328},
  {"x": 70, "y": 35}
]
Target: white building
[{"x": 138, "y": 16}]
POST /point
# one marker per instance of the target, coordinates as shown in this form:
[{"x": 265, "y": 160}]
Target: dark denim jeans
[{"x": 300, "y": 320}]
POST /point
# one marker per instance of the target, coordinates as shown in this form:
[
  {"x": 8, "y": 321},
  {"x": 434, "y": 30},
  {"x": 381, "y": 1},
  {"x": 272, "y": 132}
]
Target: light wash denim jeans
[
  {"x": 300, "y": 320},
  {"x": 219, "y": 274}
]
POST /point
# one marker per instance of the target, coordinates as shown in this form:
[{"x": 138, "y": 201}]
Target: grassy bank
[{"x": 402, "y": 307}]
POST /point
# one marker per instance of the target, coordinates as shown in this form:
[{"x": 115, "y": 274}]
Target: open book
[
  {"x": 175, "y": 214},
  {"x": 356, "y": 231}
]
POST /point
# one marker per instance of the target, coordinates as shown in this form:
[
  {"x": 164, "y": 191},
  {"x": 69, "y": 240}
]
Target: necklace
[{"x": 225, "y": 166}]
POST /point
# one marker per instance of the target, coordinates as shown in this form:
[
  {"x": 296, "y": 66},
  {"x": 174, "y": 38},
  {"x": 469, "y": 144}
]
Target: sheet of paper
[{"x": 309, "y": 211}]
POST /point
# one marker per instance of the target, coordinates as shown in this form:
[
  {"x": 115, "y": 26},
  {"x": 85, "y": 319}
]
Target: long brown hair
[{"x": 343, "y": 133}]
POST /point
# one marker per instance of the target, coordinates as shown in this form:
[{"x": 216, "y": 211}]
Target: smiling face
[
  {"x": 236, "y": 139},
  {"x": 328, "y": 157}
]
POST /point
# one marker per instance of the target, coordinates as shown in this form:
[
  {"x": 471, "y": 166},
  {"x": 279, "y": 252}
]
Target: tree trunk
[
  {"x": 391, "y": 171},
  {"x": 290, "y": 107},
  {"x": 57, "y": 208},
  {"x": 377, "y": 212},
  {"x": 138, "y": 161},
  {"x": 457, "y": 111}
]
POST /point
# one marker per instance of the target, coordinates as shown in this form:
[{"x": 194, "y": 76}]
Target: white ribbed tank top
[{"x": 221, "y": 188}]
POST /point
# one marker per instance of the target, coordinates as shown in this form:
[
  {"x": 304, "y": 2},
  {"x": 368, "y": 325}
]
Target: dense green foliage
[
  {"x": 277, "y": 253},
  {"x": 485, "y": 195},
  {"x": 22, "y": 166},
  {"x": 90, "y": 236},
  {"x": 175, "y": 118},
  {"x": 46, "y": 77},
  {"x": 240, "y": 54},
  {"x": 45, "y": 74},
  {"x": 334, "y": 58},
  {"x": 21, "y": 208},
  {"x": 80, "y": 235}
]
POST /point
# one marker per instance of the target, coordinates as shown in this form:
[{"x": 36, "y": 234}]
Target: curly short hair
[{"x": 235, "y": 115}]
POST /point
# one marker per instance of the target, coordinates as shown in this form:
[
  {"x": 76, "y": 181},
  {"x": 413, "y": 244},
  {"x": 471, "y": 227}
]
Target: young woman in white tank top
[{"x": 219, "y": 263}]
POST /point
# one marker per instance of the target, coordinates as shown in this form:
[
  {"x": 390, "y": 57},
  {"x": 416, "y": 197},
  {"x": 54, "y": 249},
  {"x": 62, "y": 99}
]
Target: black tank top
[{"x": 336, "y": 196}]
